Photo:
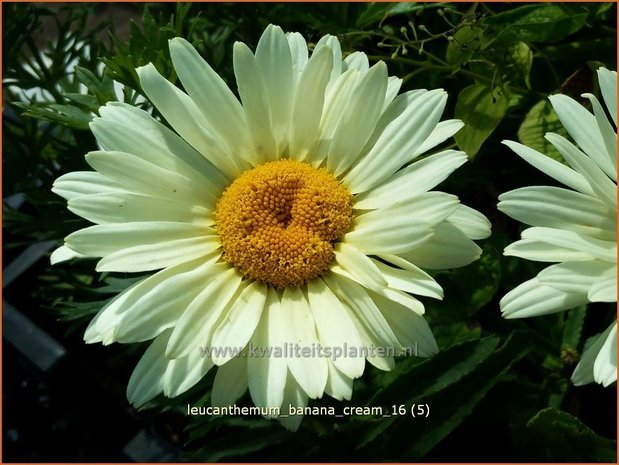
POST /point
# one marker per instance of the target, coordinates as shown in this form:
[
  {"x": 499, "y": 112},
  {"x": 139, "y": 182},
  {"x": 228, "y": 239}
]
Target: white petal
[
  {"x": 196, "y": 325},
  {"x": 187, "y": 120},
  {"x": 410, "y": 279},
  {"x": 358, "y": 121},
  {"x": 335, "y": 327},
  {"x": 447, "y": 248},
  {"x": 421, "y": 213},
  {"x": 153, "y": 180},
  {"x": 103, "y": 239},
  {"x": 552, "y": 168},
  {"x": 357, "y": 61},
  {"x": 295, "y": 397},
  {"x": 601, "y": 185},
  {"x": 80, "y": 183},
  {"x": 473, "y": 224},
  {"x": 266, "y": 373},
  {"x": 605, "y": 290},
  {"x": 62, "y": 254},
  {"x": 310, "y": 372},
  {"x": 240, "y": 322},
  {"x": 608, "y": 133},
  {"x": 125, "y": 128},
  {"x": 604, "y": 250},
  {"x": 155, "y": 304},
  {"x": 365, "y": 314},
  {"x": 336, "y": 101},
  {"x": 339, "y": 386},
  {"x": 583, "y": 128},
  {"x": 560, "y": 208},
  {"x": 362, "y": 268},
  {"x": 411, "y": 181},
  {"x": 298, "y": 51},
  {"x": 401, "y": 138},
  {"x": 392, "y": 235},
  {"x": 583, "y": 374},
  {"x": 253, "y": 92},
  {"x": 331, "y": 42},
  {"x": 411, "y": 329},
  {"x": 184, "y": 373},
  {"x": 531, "y": 249},
  {"x": 393, "y": 87},
  {"x": 275, "y": 64},
  {"x": 605, "y": 366},
  {"x": 532, "y": 298},
  {"x": 608, "y": 85},
  {"x": 576, "y": 276},
  {"x": 146, "y": 381},
  {"x": 308, "y": 103},
  {"x": 230, "y": 382},
  {"x": 211, "y": 94},
  {"x": 126, "y": 207},
  {"x": 443, "y": 131},
  {"x": 149, "y": 257}
]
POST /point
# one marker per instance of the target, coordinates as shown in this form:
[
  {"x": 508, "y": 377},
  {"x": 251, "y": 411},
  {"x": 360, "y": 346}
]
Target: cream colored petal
[
  {"x": 358, "y": 121},
  {"x": 153, "y": 180},
  {"x": 397, "y": 144},
  {"x": 361, "y": 267},
  {"x": 230, "y": 382},
  {"x": 184, "y": 373},
  {"x": 473, "y": 224},
  {"x": 608, "y": 85},
  {"x": 539, "y": 251},
  {"x": 274, "y": 61},
  {"x": 267, "y": 373},
  {"x": 187, "y": 120},
  {"x": 339, "y": 386},
  {"x": 532, "y": 298},
  {"x": 577, "y": 276},
  {"x": 583, "y": 128},
  {"x": 555, "y": 207},
  {"x": 604, "y": 250},
  {"x": 309, "y": 100},
  {"x": 409, "y": 182},
  {"x": 146, "y": 381},
  {"x": 309, "y": 372},
  {"x": 62, "y": 254},
  {"x": 411, "y": 329},
  {"x": 239, "y": 322},
  {"x": 602, "y": 186},
  {"x": 605, "y": 289},
  {"x": 554, "y": 169},
  {"x": 410, "y": 279},
  {"x": 609, "y": 135},
  {"x": 211, "y": 94},
  {"x": 256, "y": 104},
  {"x": 295, "y": 397},
  {"x": 447, "y": 247},
  {"x": 126, "y": 207},
  {"x": 443, "y": 131},
  {"x": 196, "y": 325},
  {"x": 81, "y": 183},
  {"x": 335, "y": 328},
  {"x": 605, "y": 366}
]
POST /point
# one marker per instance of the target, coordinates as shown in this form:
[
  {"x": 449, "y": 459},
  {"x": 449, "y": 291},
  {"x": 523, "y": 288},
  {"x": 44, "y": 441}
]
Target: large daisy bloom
[
  {"x": 294, "y": 218},
  {"x": 574, "y": 227}
]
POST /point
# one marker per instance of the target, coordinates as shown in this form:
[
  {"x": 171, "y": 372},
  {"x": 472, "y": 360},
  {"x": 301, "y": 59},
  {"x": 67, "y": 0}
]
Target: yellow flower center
[{"x": 277, "y": 222}]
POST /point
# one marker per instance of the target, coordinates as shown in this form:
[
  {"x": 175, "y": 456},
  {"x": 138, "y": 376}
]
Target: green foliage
[
  {"x": 498, "y": 62},
  {"x": 562, "y": 437}
]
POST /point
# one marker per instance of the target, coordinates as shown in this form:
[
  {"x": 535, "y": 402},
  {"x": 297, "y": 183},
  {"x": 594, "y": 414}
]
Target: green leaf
[
  {"x": 520, "y": 60},
  {"x": 466, "y": 42},
  {"x": 547, "y": 22},
  {"x": 68, "y": 115},
  {"x": 376, "y": 11},
  {"x": 481, "y": 109},
  {"x": 540, "y": 120},
  {"x": 563, "y": 437},
  {"x": 451, "y": 391},
  {"x": 573, "y": 327}
]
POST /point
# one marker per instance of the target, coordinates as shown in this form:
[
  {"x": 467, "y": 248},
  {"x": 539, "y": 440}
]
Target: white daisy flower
[
  {"x": 294, "y": 216},
  {"x": 574, "y": 227}
]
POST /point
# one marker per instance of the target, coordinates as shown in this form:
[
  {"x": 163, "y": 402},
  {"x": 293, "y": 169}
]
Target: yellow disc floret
[{"x": 278, "y": 221}]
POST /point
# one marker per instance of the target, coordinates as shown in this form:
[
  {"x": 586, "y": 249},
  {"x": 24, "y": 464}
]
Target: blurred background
[{"x": 498, "y": 391}]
